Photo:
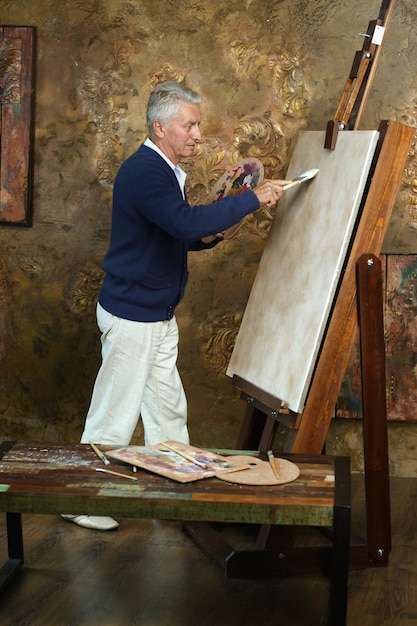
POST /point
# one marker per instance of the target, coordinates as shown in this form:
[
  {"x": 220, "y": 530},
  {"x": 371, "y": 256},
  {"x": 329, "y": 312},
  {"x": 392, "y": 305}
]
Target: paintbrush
[
  {"x": 106, "y": 471},
  {"x": 272, "y": 463},
  {"x": 100, "y": 454},
  {"x": 308, "y": 175},
  {"x": 186, "y": 456}
]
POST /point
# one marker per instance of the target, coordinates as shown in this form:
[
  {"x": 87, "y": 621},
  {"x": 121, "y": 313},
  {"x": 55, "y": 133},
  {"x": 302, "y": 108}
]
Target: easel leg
[
  {"x": 251, "y": 431},
  {"x": 375, "y": 429},
  {"x": 14, "y": 562}
]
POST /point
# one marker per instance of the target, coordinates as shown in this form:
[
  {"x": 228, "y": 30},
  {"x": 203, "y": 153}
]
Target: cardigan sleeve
[{"x": 155, "y": 193}]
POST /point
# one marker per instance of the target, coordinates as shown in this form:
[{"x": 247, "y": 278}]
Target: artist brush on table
[
  {"x": 107, "y": 471},
  {"x": 100, "y": 454},
  {"x": 185, "y": 456},
  {"x": 273, "y": 463}
]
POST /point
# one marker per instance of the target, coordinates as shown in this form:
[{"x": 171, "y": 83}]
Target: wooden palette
[
  {"x": 246, "y": 174},
  {"x": 261, "y": 473},
  {"x": 177, "y": 461}
]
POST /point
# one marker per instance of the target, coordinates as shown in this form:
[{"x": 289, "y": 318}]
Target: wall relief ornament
[
  {"x": 220, "y": 335},
  {"x": 5, "y": 300},
  {"x": 84, "y": 291}
]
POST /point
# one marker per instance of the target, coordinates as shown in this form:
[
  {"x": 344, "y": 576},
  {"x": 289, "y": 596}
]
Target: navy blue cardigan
[{"x": 152, "y": 230}]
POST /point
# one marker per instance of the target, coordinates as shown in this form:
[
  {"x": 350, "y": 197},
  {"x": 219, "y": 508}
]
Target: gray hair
[{"x": 166, "y": 101}]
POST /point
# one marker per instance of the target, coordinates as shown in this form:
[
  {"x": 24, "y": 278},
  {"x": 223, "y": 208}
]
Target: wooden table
[{"x": 54, "y": 479}]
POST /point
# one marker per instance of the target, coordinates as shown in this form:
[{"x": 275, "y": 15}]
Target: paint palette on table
[
  {"x": 177, "y": 461},
  {"x": 260, "y": 472}
]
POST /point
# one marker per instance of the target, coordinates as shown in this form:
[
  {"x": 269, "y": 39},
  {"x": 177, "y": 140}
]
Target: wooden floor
[{"x": 152, "y": 573}]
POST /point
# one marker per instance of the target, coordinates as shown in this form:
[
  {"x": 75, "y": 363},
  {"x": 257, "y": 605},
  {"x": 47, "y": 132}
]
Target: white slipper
[{"x": 97, "y": 522}]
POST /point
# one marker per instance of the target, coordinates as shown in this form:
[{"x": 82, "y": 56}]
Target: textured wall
[{"x": 266, "y": 70}]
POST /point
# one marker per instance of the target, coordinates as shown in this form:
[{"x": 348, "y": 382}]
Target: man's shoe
[{"x": 97, "y": 522}]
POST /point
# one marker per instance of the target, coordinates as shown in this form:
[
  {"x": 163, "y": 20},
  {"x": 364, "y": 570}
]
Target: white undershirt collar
[{"x": 178, "y": 171}]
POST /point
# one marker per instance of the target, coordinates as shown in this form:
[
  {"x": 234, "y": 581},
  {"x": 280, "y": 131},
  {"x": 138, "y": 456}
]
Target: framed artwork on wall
[
  {"x": 17, "y": 78},
  {"x": 400, "y": 321}
]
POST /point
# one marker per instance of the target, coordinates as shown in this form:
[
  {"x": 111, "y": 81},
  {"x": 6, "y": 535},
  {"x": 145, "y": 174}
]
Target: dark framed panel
[
  {"x": 400, "y": 320},
  {"x": 17, "y": 80}
]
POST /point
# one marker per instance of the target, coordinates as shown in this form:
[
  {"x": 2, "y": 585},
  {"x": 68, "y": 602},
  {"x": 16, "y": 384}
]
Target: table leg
[
  {"x": 337, "y": 611},
  {"x": 15, "y": 549}
]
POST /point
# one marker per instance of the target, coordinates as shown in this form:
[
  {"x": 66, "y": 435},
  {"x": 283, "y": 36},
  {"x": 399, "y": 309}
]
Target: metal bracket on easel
[{"x": 349, "y": 112}]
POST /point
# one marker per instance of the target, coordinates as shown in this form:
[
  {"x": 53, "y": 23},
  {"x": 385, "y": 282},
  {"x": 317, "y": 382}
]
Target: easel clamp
[{"x": 352, "y": 102}]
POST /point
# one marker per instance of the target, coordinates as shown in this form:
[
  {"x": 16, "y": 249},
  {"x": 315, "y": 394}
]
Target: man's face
[{"x": 178, "y": 139}]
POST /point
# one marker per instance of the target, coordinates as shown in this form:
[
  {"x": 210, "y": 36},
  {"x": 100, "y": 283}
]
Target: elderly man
[{"x": 153, "y": 228}]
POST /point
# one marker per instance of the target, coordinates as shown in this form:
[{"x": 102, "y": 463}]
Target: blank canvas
[{"x": 290, "y": 302}]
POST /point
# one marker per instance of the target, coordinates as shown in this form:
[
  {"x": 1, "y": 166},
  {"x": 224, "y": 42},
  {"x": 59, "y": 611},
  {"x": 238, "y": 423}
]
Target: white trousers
[{"x": 138, "y": 377}]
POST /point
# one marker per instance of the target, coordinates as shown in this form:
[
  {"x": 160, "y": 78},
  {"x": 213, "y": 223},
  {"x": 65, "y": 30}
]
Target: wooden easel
[
  {"x": 358, "y": 303},
  {"x": 360, "y": 289}
]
